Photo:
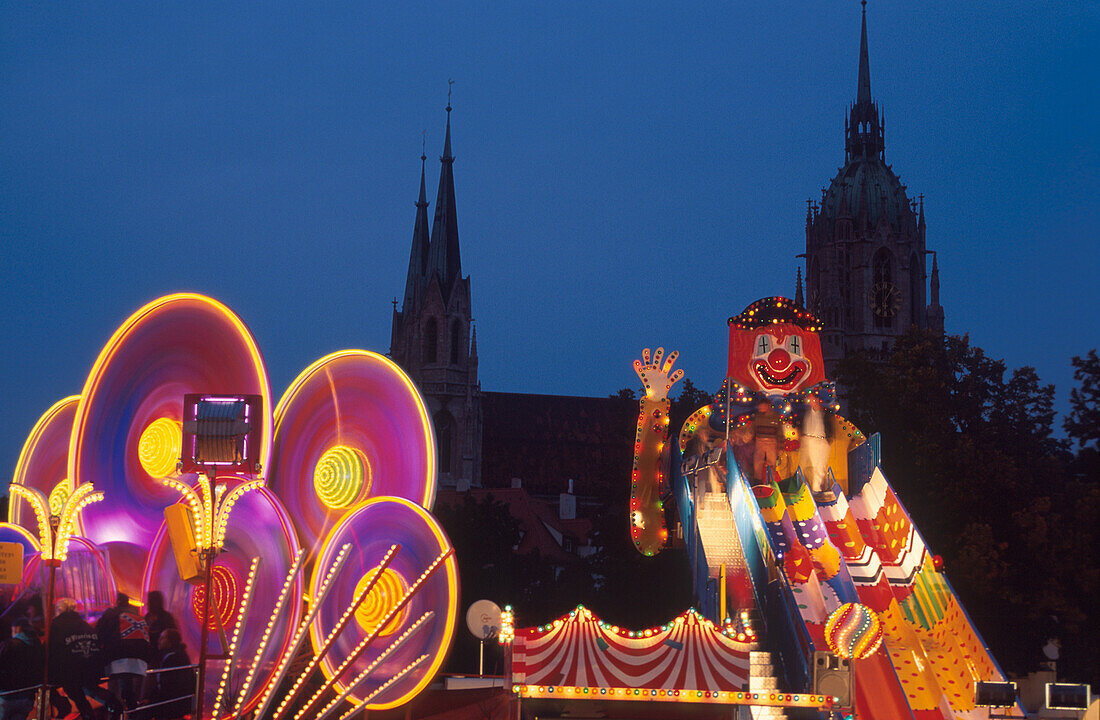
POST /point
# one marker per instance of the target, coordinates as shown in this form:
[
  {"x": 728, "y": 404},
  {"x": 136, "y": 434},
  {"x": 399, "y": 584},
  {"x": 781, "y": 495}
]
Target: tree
[
  {"x": 692, "y": 396},
  {"x": 972, "y": 456},
  {"x": 1083, "y": 422},
  {"x": 625, "y": 394}
]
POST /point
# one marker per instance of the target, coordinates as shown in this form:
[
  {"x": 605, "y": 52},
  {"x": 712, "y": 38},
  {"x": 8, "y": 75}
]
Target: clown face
[
  {"x": 772, "y": 357},
  {"x": 779, "y": 363}
]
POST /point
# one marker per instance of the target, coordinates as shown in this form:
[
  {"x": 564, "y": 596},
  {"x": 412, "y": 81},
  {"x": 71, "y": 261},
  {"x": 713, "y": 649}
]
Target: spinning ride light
[
  {"x": 372, "y": 528},
  {"x": 125, "y": 429},
  {"x": 350, "y": 427},
  {"x": 43, "y": 462},
  {"x": 260, "y": 528}
]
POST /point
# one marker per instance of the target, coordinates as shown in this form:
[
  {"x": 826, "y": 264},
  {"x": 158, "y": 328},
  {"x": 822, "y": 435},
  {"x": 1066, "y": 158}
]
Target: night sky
[{"x": 627, "y": 174}]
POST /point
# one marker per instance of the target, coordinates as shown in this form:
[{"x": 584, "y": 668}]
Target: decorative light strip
[
  {"x": 283, "y": 593},
  {"x": 721, "y": 697},
  {"x": 208, "y": 508},
  {"x": 384, "y": 686},
  {"x": 303, "y": 628},
  {"x": 58, "y": 496},
  {"x": 242, "y": 615},
  {"x": 587, "y": 614},
  {"x": 225, "y": 507},
  {"x": 507, "y": 626},
  {"x": 194, "y": 503},
  {"x": 82, "y": 497},
  {"x": 349, "y": 612},
  {"x": 38, "y": 502},
  {"x": 31, "y": 445},
  {"x": 394, "y": 646},
  {"x": 365, "y": 643}
]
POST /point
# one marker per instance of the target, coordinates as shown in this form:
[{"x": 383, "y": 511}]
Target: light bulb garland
[
  {"x": 507, "y": 626},
  {"x": 242, "y": 614},
  {"x": 303, "y": 628},
  {"x": 349, "y": 613},
  {"x": 291, "y": 576},
  {"x": 685, "y": 695},
  {"x": 359, "y": 649},
  {"x": 385, "y": 686},
  {"x": 393, "y": 647},
  {"x": 55, "y": 543}
]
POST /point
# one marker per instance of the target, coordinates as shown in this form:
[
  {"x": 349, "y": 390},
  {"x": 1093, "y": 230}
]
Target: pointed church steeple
[
  {"x": 443, "y": 255},
  {"x": 935, "y": 310},
  {"x": 418, "y": 256},
  {"x": 864, "y": 136},
  {"x": 863, "y": 93},
  {"x": 799, "y": 299}
]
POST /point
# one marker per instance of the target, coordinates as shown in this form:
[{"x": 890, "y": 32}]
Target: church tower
[
  {"x": 865, "y": 250},
  {"x": 433, "y": 337}
]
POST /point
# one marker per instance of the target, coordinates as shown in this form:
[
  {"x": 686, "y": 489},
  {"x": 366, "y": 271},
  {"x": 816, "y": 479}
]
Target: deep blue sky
[{"x": 627, "y": 173}]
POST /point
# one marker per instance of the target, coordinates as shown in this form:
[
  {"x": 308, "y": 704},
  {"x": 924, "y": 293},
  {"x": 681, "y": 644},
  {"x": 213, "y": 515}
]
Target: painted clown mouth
[{"x": 763, "y": 372}]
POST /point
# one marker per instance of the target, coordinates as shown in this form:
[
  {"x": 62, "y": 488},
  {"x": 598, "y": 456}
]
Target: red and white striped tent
[{"x": 580, "y": 651}]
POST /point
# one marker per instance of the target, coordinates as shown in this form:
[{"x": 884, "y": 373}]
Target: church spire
[
  {"x": 864, "y": 136},
  {"x": 863, "y": 93},
  {"x": 443, "y": 256},
  {"x": 935, "y": 310},
  {"x": 935, "y": 283},
  {"x": 418, "y": 256},
  {"x": 799, "y": 299}
]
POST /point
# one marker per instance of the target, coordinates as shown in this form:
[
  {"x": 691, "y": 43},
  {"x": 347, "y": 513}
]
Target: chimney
[{"x": 567, "y": 504}]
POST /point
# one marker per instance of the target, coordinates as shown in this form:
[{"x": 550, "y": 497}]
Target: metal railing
[{"x": 137, "y": 710}]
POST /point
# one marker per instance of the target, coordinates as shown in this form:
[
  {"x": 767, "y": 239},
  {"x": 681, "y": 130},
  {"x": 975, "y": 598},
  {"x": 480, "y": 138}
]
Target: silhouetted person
[
  {"x": 21, "y": 664},
  {"x": 169, "y": 684},
  {"x": 766, "y": 426},
  {"x": 157, "y": 617},
  {"x": 124, "y": 636},
  {"x": 76, "y": 661}
]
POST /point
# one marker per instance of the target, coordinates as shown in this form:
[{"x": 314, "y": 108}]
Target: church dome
[{"x": 867, "y": 184}]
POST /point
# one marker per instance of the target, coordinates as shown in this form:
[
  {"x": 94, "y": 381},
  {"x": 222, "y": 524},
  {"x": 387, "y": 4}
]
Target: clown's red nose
[{"x": 779, "y": 359}]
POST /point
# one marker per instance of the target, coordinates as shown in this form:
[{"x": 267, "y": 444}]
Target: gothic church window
[{"x": 883, "y": 283}]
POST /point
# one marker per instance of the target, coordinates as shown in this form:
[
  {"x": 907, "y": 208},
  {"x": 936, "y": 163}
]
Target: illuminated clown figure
[{"x": 775, "y": 411}]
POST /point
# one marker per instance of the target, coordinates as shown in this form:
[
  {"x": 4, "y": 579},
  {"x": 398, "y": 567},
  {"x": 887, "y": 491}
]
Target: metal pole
[
  {"x": 47, "y": 612},
  {"x": 208, "y": 554},
  {"x": 209, "y": 561},
  {"x": 481, "y": 660}
]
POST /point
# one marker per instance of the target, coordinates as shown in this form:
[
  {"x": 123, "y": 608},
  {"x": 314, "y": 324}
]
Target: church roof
[
  {"x": 418, "y": 257},
  {"x": 584, "y": 435},
  {"x": 866, "y": 184},
  {"x": 443, "y": 255}
]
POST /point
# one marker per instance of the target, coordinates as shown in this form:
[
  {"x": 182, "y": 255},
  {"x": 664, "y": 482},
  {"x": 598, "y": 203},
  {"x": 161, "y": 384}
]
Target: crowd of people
[{"x": 149, "y": 674}]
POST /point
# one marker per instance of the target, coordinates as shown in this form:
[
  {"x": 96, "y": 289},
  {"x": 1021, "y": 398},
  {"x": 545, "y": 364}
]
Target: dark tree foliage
[
  {"x": 1083, "y": 422},
  {"x": 483, "y": 534},
  {"x": 615, "y": 582},
  {"x": 972, "y": 456},
  {"x": 1082, "y": 425}
]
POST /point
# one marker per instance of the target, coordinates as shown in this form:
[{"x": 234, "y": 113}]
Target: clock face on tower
[{"x": 884, "y": 299}]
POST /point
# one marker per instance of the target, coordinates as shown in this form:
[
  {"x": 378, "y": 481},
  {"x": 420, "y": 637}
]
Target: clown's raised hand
[{"x": 655, "y": 376}]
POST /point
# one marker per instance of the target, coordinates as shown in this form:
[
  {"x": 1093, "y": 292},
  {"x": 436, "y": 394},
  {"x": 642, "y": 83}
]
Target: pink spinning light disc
[
  {"x": 372, "y": 529},
  {"x": 350, "y": 427},
  {"x": 178, "y": 344}
]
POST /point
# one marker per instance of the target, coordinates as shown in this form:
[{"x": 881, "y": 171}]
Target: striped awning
[{"x": 580, "y": 651}]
